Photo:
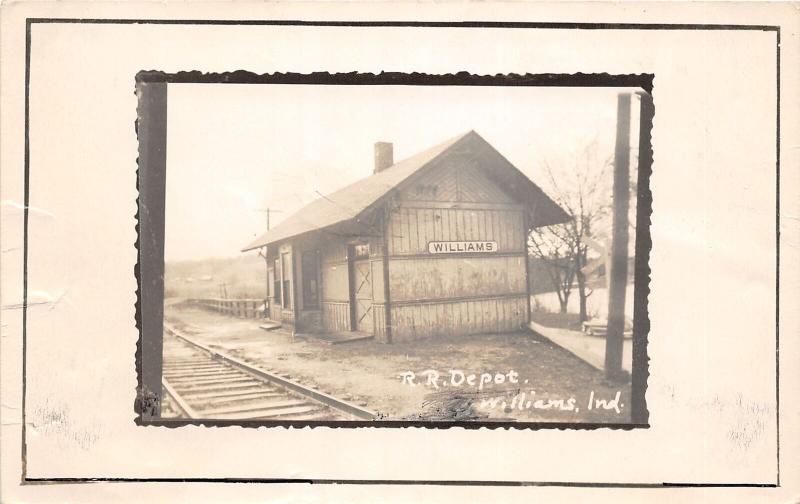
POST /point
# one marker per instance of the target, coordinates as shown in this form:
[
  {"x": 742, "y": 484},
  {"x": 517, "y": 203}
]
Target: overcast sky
[{"x": 235, "y": 149}]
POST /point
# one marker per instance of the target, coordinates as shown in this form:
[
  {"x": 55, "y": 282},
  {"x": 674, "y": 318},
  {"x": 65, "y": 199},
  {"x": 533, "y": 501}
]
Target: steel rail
[
  {"x": 326, "y": 399},
  {"x": 180, "y": 403}
]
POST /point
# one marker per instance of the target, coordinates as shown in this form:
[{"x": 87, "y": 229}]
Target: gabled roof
[{"x": 352, "y": 201}]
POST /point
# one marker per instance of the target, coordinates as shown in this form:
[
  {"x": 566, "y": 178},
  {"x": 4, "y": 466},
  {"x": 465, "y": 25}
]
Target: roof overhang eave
[
  {"x": 302, "y": 234},
  {"x": 558, "y": 216},
  {"x": 252, "y": 247}
]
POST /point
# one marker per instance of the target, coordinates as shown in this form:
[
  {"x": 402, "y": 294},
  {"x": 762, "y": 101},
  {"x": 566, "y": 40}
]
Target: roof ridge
[
  {"x": 412, "y": 164},
  {"x": 442, "y": 145},
  {"x": 349, "y": 202}
]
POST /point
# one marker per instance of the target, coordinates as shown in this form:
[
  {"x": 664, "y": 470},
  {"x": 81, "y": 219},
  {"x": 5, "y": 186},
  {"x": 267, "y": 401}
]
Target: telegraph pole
[
  {"x": 618, "y": 274},
  {"x": 267, "y": 211}
]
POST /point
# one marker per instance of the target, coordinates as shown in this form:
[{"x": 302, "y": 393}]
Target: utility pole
[
  {"x": 267, "y": 211},
  {"x": 618, "y": 274}
]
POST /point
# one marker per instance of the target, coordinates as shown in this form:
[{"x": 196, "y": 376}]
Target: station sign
[{"x": 461, "y": 247}]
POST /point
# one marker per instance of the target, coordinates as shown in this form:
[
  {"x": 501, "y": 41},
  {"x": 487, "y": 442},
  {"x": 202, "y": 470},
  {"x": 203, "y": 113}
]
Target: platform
[
  {"x": 269, "y": 325},
  {"x": 336, "y": 338},
  {"x": 590, "y": 349}
]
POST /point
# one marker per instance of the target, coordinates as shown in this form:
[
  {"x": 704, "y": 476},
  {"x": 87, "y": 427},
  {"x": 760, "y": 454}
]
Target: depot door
[{"x": 361, "y": 294}]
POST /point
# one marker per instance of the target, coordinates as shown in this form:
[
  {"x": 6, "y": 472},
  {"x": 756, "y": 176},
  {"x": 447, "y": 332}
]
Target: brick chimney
[{"x": 384, "y": 156}]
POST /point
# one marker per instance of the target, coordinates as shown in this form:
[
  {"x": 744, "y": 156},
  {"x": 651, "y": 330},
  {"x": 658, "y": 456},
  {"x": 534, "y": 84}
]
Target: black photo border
[
  {"x": 150, "y": 226},
  {"x": 25, "y": 480}
]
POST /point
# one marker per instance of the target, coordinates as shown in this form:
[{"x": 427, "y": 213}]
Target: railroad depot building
[{"x": 432, "y": 245}]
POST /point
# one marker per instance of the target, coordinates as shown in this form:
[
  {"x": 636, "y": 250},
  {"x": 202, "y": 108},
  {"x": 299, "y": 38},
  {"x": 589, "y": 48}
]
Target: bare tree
[
  {"x": 581, "y": 187},
  {"x": 547, "y": 245}
]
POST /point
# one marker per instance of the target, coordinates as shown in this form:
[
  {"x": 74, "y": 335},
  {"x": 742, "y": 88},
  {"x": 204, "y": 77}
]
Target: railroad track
[{"x": 203, "y": 383}]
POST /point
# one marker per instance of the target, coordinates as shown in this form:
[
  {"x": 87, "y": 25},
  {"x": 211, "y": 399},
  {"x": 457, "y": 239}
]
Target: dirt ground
[{"x": 516, "y": 376}]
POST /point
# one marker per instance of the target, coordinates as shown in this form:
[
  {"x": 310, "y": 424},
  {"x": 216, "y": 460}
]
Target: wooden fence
[{"x": 244, "y": 308}]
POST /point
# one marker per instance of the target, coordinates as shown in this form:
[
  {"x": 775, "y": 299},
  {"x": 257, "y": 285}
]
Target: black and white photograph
[{"x": 400, "y": 253}]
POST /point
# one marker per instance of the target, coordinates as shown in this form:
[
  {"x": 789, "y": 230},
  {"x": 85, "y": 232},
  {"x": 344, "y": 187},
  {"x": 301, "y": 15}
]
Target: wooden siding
[
  {"x": 450, "y": 295},
  {"x": 458, "y": 318},
  {"x": 335, "y": 279},
  {"x": 335, "y": 283},
  {"x": 362, "y": 295},
  {"x": 432, "y": 295},
  {"x": 379, "y": 321},
  {"x": 377, "y": 280},
  {"x": 460, "y": 180},
  {"x": 410, "y": 229},
  {"x": 334, "y": 288},
  {"x": 332, "y": 252},
  {"x": 454, "y": 277},
  {"x": 336, "y": 316}
]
